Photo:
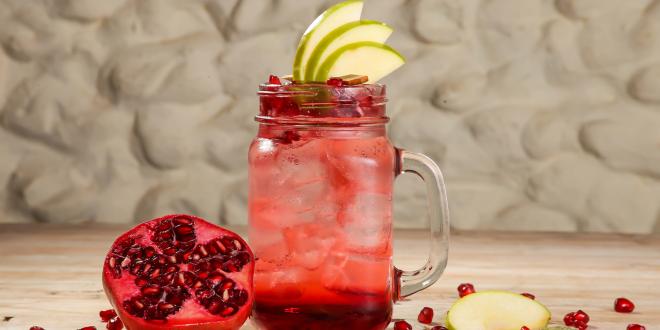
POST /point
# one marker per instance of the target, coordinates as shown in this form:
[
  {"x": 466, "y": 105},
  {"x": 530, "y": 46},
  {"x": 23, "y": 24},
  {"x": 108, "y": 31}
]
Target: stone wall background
[{"x": 544, "y": 114}]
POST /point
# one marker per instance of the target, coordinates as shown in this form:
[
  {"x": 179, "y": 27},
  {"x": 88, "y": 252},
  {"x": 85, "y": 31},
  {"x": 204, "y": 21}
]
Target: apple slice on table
[
  {"x": 349, "y": 33},
  {"x": 334, "y": 17},
  {"x": 497, "y": 310},
  {"x": 371, "y": 59}
]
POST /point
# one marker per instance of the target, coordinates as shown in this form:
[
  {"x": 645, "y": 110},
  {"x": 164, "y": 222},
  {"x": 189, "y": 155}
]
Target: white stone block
[
  {"x": 626, "y": 142},
  {"x": 645, "y": 85},
  {"x": 439, "y": 21}
]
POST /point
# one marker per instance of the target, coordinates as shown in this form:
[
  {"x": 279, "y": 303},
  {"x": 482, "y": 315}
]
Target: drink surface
[{"x": 321, "y": 227}]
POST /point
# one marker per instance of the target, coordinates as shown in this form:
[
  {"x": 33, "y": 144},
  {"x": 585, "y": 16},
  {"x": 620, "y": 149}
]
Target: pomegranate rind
[{"x": 191, "y": 315}]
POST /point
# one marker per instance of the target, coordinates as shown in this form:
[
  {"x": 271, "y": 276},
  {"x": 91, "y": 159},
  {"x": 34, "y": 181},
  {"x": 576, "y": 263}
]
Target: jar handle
[{"x": 410, "y": 282}]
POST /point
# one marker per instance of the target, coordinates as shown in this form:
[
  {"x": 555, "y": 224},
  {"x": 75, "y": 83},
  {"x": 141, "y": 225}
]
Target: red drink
[
  {"x": 321, "y": 173},
  {"x": 320, "y": 216}
]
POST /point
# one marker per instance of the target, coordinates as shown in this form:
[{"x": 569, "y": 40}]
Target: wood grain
[{"x": 50, "y": 275}]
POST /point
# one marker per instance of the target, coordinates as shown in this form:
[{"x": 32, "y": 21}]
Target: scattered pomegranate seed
[
  {"x": 623, "y": 305},
  {"x": 107, "y": 315},
  {"x": 581, "y": 316},
  {"x": 465, "y": 289},
  {"x": 425, "y": 315},
  {"x": 439, "y": 327},
  {"x": 402, "y": 325},
  {"x": 580, "y": 325},
  {"x": 115, "y": 324},
  {"x": 88, "y": 328},
  {"x": 635, "y": 327},
  {"x": 528, "y": 295},
  {"x": 569, "y": 319},
  {"x": 36, "y": 328},
  {"x": 274, "y": 80},
  {"x": 524, "y": 328},
  {"x": 577, "y": 319},
  {"x": 336, "y": 82}
]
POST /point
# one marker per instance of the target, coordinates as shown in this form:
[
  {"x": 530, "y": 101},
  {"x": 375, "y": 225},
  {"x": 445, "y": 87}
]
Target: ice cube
[
  {"x": 310, "y": 244},
  {"x": 301, "y": 163},
  {"x": 306, "y": 190},
  {"x": 300, "y": 193},
  {"x": 366, "y": 224},
  {"x": 269, "y": 248},
  {"x": 303, "y": 196},
  {"x": 303, "y": 204},
  {"x": 284, "y": 283},
  {"x": 357, "y": 274},
  {"x": 295, "y": 205},
  {"x": 367, "y": 164}
]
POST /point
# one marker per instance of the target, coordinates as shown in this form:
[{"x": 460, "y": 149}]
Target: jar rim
[{"x": 317, "y": 104}]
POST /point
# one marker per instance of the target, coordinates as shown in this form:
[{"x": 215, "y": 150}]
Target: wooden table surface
[{"x": 50, "y": 275}]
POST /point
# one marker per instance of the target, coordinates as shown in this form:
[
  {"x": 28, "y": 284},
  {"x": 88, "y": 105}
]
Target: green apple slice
[
  {"x": 334, "y": 17},
  {"x": 371, "y": 59},
  {"x": 349, "y": 33},
  {"x": 497, "y": 310}
]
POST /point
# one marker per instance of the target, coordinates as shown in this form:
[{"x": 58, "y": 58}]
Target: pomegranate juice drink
[{"x": 321, "y": 174}]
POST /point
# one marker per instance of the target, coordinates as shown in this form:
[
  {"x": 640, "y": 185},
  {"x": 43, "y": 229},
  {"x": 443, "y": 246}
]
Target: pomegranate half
[{"x": 180, "y": 272}]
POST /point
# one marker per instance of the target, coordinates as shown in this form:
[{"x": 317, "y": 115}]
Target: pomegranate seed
[
  {"x": 528, "y": 295},
  {"x": 524, "y": 328},
  {"x": 439, "y": 327},
  {"x": 569, "y": 319},
  {"x": 336, "y": 82},
  {"x": 402, "y": 325},
  {"x": 107, "y": 315},
  {"x": 581, "y": 316},
  {"x": 580, "y": 325},
  {"x": 635, "y": 327},
  {"x": 115, "y": 324},
  {"x": 36, "y": 328},
  {"x": 112, "y": 262},
  {"x": 291, "y": 136},
  {"x": 151, "y": 290},
  {"x": 88, "y": 328},
  {"x": 623, "y": 305},
  {"x": 425, "y": 315},
  {"x": 465, "y": 289},
  {"x": 274, "y": 80},
  {"x": 182, "y": 221}
]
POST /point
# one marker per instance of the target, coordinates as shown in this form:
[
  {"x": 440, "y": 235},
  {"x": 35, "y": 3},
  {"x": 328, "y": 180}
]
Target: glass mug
[{"x": 321, "y": 175}]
